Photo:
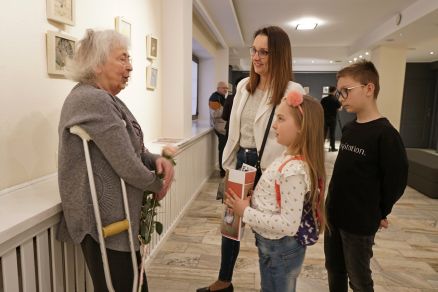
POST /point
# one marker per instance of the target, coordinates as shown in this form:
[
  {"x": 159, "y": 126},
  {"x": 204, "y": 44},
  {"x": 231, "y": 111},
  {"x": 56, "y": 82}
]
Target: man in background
[
  {"x": 331, "y": 105},
  {"x": 216, "y": 105}
]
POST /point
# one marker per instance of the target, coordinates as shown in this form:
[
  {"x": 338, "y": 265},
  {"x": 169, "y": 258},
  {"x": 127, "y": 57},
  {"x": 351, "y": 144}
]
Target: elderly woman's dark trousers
[{"x": 120, "y": 265}]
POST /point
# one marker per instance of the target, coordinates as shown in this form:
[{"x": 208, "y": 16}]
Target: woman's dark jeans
[
  {"x": 347, "y": 257},
  {"x": 230, "y": 248}
]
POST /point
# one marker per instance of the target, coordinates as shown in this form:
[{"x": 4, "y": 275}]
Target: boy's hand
[
  {"x": 384, "y": 223},
  {"x": 234, "y": 202}
]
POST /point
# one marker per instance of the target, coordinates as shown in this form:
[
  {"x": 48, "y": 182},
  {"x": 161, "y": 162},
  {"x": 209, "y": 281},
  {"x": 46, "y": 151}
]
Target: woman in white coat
[{"x": 269, "y": 80}]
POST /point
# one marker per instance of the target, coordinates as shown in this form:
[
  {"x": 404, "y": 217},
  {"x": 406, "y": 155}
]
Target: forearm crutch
[{"x": 113, "y": 228}]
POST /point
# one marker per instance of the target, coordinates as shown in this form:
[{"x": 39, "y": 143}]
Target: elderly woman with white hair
[{"x": 101, "y": 66}]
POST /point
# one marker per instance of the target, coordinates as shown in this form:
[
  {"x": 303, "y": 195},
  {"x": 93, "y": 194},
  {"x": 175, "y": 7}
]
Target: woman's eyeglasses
[
  {"x": 343, "y": 92},
  {"x": 262, "y": 52}
]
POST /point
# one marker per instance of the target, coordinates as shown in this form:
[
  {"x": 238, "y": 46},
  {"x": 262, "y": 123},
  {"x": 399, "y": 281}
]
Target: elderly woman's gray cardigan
[{"x": 115, "y": 152}]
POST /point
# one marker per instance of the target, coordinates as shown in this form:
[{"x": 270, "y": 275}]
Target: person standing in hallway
[
  {"x": 369, "y": 176},
  {"x": 331, "y": 105},
  {"x": 216, "y": 104},
  {"x": 255, "y": 101},
  {"x": 101, "y": 65},
  {"x": 287, "y": 208}
]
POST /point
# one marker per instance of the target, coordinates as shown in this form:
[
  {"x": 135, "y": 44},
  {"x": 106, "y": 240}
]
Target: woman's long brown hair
[{"x": 279, "y": 66}]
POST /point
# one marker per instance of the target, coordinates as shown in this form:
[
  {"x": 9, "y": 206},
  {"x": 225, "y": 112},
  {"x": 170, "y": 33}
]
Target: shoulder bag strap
[{"x": 268, "y": 127}]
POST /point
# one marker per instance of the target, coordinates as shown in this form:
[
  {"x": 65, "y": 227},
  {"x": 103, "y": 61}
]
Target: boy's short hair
[{"x": 363, "y": 71}]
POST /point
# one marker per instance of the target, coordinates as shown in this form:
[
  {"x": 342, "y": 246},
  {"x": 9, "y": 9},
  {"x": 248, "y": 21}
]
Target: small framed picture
[
  {"x": 123, "y": 26},
  {"x": 306, "y": 89},
  {"x": 325, "y": 89},
  {"x": 62, "y": 11},
  {"x": 151, "y": 47},
  {"x": 151, "y": 77},
  {"x": 60, "y": 48}
]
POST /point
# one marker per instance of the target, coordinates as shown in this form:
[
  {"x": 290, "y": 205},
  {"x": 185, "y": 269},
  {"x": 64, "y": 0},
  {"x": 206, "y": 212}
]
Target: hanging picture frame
[
  {"x": 60, "y": 47},
  {"x": 151, "y": 47},
  {"x": 62, "y": 11},
  {"x": 123, "y": 26},
  {"x": 151, "y": 77}
]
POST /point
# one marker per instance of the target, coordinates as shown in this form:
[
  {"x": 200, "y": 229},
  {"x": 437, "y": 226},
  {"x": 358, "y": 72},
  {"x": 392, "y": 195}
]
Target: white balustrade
[{"x": 31, "y": 259}]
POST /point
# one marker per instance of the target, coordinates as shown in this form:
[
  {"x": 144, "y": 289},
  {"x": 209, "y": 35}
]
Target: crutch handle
[
  {"x": 80, "y": 132},
  {"x": 115, "y": 228}
]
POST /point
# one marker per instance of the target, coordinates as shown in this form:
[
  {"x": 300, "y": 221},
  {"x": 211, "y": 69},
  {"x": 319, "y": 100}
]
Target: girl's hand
[{"x": 234, "y": 202}]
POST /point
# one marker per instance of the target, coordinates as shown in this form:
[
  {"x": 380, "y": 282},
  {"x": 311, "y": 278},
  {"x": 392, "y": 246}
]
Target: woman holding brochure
[{"x": 254, "y": 104}]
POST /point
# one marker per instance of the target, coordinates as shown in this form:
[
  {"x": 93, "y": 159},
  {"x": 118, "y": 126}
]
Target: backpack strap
[
  {"x": 280, "y": 168},
  {"x": 277, "y": 185}
]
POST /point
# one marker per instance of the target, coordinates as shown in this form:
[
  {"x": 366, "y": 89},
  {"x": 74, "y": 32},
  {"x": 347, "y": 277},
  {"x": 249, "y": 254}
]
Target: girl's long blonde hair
[{"x": 310, "y": 144}]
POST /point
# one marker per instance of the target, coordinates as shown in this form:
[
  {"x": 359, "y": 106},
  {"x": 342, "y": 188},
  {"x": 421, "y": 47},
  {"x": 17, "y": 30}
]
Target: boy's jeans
[
  {"x": 347, "y": 256},
  {"x": 280, "y": 263}
]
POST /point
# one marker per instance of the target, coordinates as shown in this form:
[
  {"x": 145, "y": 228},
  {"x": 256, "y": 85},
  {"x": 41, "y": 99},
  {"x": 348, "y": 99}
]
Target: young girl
[{"x": 291, "y": 183}]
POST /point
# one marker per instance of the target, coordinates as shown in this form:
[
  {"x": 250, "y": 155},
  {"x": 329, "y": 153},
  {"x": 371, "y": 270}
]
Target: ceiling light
[
  {"x": 313, "y": 62},
  {"x": 306, "y": 26},
  {"x": 350, "y": 61},
  {"x": 366, "y": 53},
  {"x": 431, "y": 53},
  {"x": 331, "y": 61},
  {"x": 355, "y": 59},
  {"x": 361, "y": 56},
  {"x": 306, "y": 23}
]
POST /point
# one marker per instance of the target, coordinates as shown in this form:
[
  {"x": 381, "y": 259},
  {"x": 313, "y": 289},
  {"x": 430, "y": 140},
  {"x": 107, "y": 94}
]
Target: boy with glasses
[{"x": 369, "y": 176}]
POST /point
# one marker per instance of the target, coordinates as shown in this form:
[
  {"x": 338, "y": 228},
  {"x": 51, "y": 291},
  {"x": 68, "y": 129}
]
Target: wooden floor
[{"x": 405, "y": 255}]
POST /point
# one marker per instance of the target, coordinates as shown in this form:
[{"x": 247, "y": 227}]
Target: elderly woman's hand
[{"x": 164, "y": 166}]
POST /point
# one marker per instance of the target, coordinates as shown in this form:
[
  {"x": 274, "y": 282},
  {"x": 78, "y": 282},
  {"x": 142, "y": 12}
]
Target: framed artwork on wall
[
  {"x": 306, "y": 89},
  {"x": 123, "y": 26},
  {"x": 151, "y": 77},
  {"x": 62, "y": 11},
  {"x": 60, "y": 48},
  {"x": 151, "y": 47},
  {"x": 325, "y": 90}
]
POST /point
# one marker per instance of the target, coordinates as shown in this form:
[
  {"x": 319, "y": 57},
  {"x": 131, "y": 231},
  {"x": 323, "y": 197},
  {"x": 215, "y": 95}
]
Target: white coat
[{"x": 272, "y": 148}]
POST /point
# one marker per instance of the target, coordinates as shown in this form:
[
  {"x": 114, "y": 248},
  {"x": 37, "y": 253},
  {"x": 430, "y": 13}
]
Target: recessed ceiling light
[
  {"x": 331, "y": 61},
  {"x": 306, "y": 23},
  {"x": 313, "y": 62},
  {"x": 366, "y": 53},
  {"x": 350, "y": 61},
  {"x": 431, "y": 53},
  {"x": 306, "y": 26},
  {"x": 355, "y": 59},
  {"x": 361, "y": 56}
]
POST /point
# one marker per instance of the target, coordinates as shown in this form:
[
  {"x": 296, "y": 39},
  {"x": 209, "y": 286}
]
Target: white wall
[
  {"x": 31, "y": 100},
  {"x": 391, "y": 64}
]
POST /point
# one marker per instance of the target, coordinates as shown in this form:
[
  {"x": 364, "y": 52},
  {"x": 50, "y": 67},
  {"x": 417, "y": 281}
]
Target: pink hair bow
[{"x": 295, "y": 99}]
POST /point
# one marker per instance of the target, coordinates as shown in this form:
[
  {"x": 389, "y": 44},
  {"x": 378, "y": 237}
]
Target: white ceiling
[{"x": 346, "y": 29}]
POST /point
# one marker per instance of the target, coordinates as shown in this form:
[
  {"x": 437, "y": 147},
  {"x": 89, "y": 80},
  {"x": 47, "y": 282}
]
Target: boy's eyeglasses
[
  {"x": 343, "y": 92},
  {"x": 262, "y": 53}
]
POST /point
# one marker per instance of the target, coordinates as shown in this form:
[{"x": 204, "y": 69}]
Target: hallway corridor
[{"x": 405, "y": 255}]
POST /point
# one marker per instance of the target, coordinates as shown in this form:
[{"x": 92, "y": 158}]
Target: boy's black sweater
[{"x": 369, "y": 176}]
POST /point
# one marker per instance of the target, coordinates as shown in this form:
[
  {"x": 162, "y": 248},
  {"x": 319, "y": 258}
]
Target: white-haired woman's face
[{"x": 113, "y": 75}]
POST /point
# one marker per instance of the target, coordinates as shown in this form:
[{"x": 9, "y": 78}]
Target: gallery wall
[{"x": 31, "y": 99}]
